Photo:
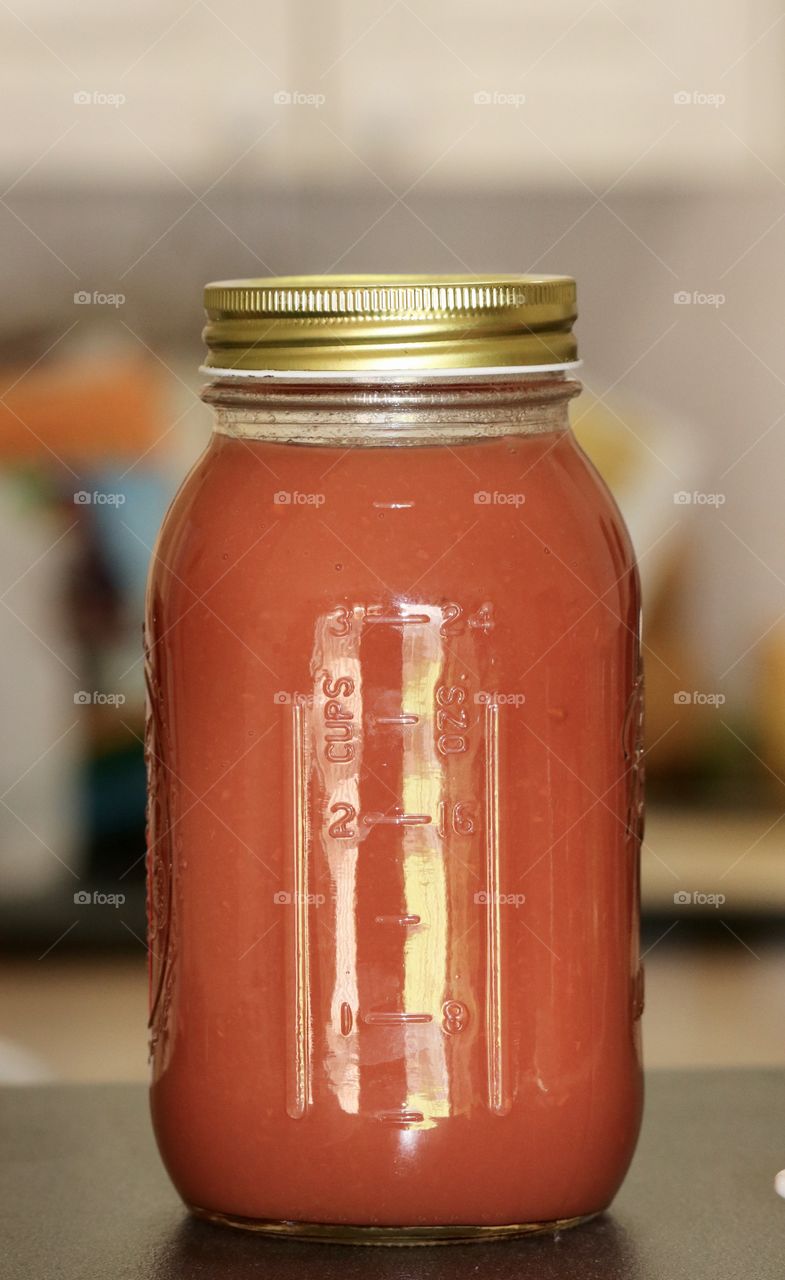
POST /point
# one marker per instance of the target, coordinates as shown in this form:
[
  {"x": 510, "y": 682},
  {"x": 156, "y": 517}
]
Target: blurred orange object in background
[{"x": 82, "y": 407}]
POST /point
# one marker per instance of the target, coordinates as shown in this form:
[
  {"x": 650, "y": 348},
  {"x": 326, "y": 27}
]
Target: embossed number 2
[{"x": 340, "y": 829}]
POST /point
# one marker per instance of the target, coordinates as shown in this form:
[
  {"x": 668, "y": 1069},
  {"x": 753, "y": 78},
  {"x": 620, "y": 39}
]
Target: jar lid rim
[{"x": 390, "y": 323}]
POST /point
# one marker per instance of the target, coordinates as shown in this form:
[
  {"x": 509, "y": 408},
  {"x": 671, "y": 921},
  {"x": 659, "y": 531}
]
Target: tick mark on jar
[
  {"x": 397, "y": 819},
  {"x": 394, "y": 1018},
  {"x": 400, "y": 1118},
  {"x": 393, "y": 720}
]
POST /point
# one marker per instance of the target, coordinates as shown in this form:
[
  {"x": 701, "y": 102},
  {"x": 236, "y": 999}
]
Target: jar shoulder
[{"x": 531, "y": 505}]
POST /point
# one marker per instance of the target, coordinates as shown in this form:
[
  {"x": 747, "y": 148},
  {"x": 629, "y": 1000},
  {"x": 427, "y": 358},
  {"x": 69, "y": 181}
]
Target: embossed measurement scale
[{"x": 396, "y": 865}]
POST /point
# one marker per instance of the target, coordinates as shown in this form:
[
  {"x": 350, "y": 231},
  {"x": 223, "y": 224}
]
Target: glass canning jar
[{"x": 394, "y": 751}]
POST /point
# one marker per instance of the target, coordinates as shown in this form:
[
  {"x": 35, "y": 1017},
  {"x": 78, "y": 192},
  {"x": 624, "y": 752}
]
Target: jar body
[{"x": 394, "y": 752}]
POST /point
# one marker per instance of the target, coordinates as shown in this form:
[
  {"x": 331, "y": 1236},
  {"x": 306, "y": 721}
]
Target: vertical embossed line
[
  {"x": 426, "y": 951},
  {"x": 300, "y": 1077},
  {"x": 334, "y": 832},
  {"x": 494, "y": 1029}
]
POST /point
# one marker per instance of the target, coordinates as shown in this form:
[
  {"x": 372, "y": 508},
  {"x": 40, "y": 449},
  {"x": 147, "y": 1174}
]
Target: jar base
[{"x": 346, "y": 1233}]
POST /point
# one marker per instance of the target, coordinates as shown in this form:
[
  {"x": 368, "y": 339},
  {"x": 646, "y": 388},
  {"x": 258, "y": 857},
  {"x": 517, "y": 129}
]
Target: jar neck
[{"x": 356, "y": 413}]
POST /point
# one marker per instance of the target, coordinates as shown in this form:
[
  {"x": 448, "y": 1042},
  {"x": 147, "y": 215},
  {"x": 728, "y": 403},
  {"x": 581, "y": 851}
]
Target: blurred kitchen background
[{"x": 150, "y": 147}]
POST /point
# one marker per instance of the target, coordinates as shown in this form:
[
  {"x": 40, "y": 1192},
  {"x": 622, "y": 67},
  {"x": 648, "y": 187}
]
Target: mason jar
[{"x": 395, "y": 768}]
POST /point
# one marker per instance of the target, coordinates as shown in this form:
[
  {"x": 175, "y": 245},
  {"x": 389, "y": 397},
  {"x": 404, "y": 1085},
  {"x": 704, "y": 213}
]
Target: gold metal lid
[{"x": 354, "y": 325}]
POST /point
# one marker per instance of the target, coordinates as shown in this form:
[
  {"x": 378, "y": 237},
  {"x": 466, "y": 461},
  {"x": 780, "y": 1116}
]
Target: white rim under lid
[{"x": 385, "y": 375}]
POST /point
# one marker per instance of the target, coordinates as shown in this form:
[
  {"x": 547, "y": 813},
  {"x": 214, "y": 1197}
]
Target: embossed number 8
[{"x": 454, "y": 1017}]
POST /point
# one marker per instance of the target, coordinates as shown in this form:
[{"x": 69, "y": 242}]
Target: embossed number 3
[{"x": 340, "y": 621}]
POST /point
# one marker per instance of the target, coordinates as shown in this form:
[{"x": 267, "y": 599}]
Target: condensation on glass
[{"x": 395, "y": 763}]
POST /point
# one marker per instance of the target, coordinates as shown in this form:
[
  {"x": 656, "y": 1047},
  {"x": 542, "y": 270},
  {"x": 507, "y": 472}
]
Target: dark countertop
[{"x": 83, "y": 1196}]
